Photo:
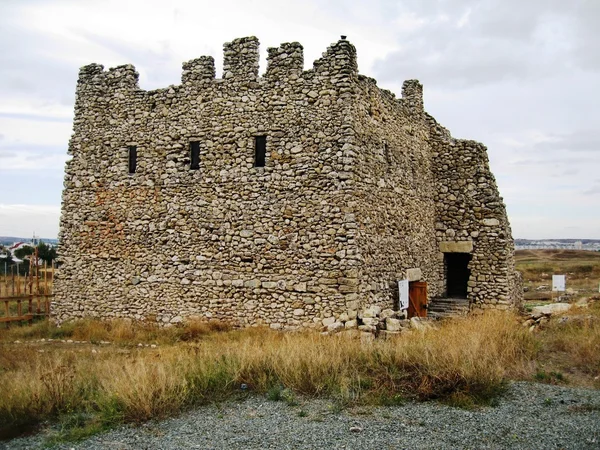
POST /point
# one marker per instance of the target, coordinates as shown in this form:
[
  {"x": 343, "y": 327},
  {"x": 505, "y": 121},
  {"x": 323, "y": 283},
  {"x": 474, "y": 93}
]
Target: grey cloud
[
  {"x": 13, "y": 149},
  {"x": 28, "y": 66},
  {"x": 162, "y": 68},
  {"x": 577, "y": 141},
  {"x": 593, "y": 191},
  {"x": 5, "y": 154},
  {"x": 557, "y": 162},
  {"x": 587, "y": 51},
  {"x": 501, "y": 40},
  {"x": 569, "y": 172},
  {"x": 36, "y": 117}
]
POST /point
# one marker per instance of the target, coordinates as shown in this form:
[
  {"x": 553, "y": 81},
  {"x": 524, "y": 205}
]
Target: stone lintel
[
  {"x": 414, "y": 274},
  {"x": 456, "y": 246}
]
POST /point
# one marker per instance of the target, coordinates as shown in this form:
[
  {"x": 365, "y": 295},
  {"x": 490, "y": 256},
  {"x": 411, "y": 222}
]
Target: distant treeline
[
  {"x": 7, "y": 241},
  {"x": 8, "y": 265}
]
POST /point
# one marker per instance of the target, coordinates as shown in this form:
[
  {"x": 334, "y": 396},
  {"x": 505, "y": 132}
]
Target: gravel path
[{"x": 529, "y": 416}]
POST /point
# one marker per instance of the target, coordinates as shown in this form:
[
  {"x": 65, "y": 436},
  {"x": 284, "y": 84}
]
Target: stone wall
[
  {"x": 471, "y": 217},
  {"x": 230, "y": 241},
  {"x": 394, "y": 195},
  {"x": 351, "y": 196}
]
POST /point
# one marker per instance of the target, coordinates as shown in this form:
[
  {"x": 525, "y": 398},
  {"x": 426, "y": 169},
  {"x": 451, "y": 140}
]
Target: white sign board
[
  {"x": 403, "y": 294},
  {"x": 558, "y": 283}
]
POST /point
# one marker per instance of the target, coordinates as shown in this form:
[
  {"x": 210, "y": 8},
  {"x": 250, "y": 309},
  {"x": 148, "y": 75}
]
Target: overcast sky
[{"x": 522, "y": 76}]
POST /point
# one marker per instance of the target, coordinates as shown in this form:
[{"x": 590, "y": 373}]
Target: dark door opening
[{"x": 457, "y": 274}]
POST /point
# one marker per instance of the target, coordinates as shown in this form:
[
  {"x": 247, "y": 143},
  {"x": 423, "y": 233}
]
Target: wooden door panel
[{"x": 417, "y": 299}]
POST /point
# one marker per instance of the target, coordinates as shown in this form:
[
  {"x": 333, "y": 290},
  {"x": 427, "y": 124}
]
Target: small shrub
[
  {"x": 289, "y": 397},
  {"x": 584, "y": 269},
  {"x": 275, "y": 393},
  {"x": 193, "y": 330},
  {"x": 74, "y": 428},
  {"x": 389, "y": 399}
]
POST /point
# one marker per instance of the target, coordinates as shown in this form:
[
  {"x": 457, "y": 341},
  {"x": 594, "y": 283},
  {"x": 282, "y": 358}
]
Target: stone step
[
  {"x": 450, "y": 300},
  {"x": 439, "y": 314},
  {"x": 459, "y": 304},
  {"x": 445, "y": 315},
  {"x": 458, "y": 310},
  {"x": 440, "y": 308},
  {"x": 447, "y": 307}
]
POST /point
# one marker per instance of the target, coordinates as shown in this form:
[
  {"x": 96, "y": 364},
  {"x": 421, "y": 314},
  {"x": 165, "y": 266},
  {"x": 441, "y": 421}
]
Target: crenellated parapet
[
  {"x": 285, "y": 60},
  {"x": 94, "y": 81},
  {"x": 240, "y": 64},
  {"x": 240, "y": 59},
  {"x": 199, "y": 70}
]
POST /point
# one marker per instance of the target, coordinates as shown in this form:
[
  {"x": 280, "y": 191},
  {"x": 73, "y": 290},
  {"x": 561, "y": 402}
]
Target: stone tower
[{"x": 283, "y": 200}]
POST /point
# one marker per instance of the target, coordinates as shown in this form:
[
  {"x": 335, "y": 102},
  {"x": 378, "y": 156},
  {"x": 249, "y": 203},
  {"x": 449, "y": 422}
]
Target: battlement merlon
[
  {"x": 200, "y": 70},
  {"x": 412, "y": 95},
  {"x": 121, "y": 78},
  {"x": 240, "y": 59},
  {"x": 91, "y": 74},
  {"x": 91, "y": 81},
  {"x": 285, "y": 60},
  {"x": 339, "y": 60}
]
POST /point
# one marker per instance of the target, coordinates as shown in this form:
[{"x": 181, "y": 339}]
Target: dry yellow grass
[
  {"x": 119, "y": 331},
  {"x": 581, "y": 267},
  {"x": 572, "y": 345},
  {"x": 463, "y": 361}
]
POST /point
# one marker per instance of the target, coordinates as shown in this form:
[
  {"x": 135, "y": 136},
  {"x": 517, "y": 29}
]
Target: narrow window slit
[
  {"x": 260, "y": 151},
  {"x": 386, "y": 153},
  {"x": 194, "y": 155},
  {"x": 132, "y": 158}
]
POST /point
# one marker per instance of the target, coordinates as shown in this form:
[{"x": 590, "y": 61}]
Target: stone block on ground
[
  {"x": 385, "y": 334},
  {"x": 336, "y": 326},
  {"x": 554, "y": 308},
  {"x": 387, "y": 313},
  {"x": 370, "y": 312},
  {"x": 392, "y": 324},
  {"x": 351, "y": 324},
  {"x": 328, "y": 321}
]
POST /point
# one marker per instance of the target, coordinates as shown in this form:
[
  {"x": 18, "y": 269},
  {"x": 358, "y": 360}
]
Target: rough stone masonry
[{"x": 295, "y": 199}]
